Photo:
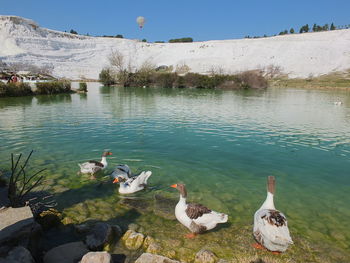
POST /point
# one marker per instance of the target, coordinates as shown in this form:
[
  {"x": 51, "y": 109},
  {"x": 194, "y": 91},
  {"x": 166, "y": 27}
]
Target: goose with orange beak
[
  {"x": 270, "y": 225},
  {"x": 196, "y": 217},
  {"x": 129, "y": 185},
  {"x": 92, "y": 167}
]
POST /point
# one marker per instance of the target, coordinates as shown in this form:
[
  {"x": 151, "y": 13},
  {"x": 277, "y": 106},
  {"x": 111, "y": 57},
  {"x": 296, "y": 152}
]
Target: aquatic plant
[{"x": 20, "y": 183}]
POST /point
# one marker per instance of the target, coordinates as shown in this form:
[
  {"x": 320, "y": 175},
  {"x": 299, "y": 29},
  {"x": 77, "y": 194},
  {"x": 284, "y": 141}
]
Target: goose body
[
  {"x": 92, "y": 167},
  {"x": 196, "y": 217},
  {"x": 122, "y": 171},
  {"x": 129, "y": 185},
  {"x": 270, "y": 225}
]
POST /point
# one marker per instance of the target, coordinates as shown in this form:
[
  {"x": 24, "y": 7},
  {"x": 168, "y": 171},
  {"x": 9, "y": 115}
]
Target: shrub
[
  {"x": 15, "y": 89},
  {"x": 106, "y": 77},
  {"x": 165, "y": 80},
  {"x": 181, "y": 40},
  {"x": 54, "y": 87},
  {"x": 252, "y": 79},
  {"x": 82, "y": 87}
]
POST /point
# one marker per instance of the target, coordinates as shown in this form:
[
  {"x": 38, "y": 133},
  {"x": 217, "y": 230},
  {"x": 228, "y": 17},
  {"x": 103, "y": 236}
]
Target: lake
[{"x": 222, "y": 144}]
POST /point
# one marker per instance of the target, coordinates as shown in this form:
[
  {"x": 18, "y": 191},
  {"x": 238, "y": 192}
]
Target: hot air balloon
[{"x": 140, "y": 20}]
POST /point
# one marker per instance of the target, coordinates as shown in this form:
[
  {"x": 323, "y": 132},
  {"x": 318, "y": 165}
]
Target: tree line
[{"x": 304, "y": 29}]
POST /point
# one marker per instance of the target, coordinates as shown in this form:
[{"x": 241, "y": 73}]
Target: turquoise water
[{"x": 221, "y": 144}]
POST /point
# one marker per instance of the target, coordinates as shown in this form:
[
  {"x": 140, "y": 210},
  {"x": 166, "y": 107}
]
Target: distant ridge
[{"x": 76, "y": 56}]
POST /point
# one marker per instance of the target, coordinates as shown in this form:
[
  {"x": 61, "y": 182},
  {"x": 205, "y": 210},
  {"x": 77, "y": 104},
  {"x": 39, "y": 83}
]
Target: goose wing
[{"x": 271, "y": 229}]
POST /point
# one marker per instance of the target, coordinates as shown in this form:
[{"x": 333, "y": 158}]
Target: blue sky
[{"x": 199, "y": 19}]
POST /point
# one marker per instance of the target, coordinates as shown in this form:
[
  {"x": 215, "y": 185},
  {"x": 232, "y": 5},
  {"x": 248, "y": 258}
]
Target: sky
[{"x": 200, "y": 19}]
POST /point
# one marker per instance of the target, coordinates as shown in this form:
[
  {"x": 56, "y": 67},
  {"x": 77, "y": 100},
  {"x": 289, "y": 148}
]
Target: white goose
[
  {"x": 132, "y": 184},
  {"x": 92, "y": 167},
  {"x": 196, "y": 217},
  {"x": 270, "y": 225}
]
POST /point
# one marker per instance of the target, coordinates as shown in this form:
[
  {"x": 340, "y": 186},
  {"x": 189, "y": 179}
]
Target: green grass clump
[
  {"x": 82, "y": 87},
  {"x": 15, "y": 89},
  {"x": 54, "y": 87}
]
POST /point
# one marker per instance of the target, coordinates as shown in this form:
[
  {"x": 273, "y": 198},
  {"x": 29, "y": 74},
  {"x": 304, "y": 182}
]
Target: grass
[
  {"x": 335, "y": 80},
  {"x": 23, "y": 89}
]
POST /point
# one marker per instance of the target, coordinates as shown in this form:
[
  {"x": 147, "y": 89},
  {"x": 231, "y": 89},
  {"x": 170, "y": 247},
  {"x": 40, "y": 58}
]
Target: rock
[
  {"x": 49, "y": 218},
  {"x": 133, "y": 240},
  {"x": 4, "y": 200},
  {"x": 67, "y": 253},
  {"x": 205, "y": 256},
  {"x": 152, "y": 258},
  {"x": 96, "y": 257},
  {"x": 133, "y": 226},
  {"x": 82, "y": 228},
  {"x": 100, "y": 235},
  {"x": 19, "y": 255},
  {"x": 14, "y": 222},
  {"x": 154, "y": 248},
  {"x": 164, "y": 207}
]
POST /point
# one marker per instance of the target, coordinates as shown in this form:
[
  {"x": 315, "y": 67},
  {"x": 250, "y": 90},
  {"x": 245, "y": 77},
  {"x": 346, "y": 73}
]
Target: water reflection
[{"x": 52, "y": 99}]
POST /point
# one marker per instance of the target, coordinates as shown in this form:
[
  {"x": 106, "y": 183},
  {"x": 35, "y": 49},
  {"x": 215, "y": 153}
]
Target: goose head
[
  {"x": 119, "y": 179},
  {"x": 105, "y": 154},
  {"x": 181, "y": 188}
]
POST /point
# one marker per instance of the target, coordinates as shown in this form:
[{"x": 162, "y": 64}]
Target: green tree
[
  {"x": 333, "y": 27},
  {"x": 106, "y": 77},
  {"x": 119, "y": 36},
  {"x": 144, "y": 40},
  {"x": 291, "y": 31},
  {"x": 72, "y": 31}
]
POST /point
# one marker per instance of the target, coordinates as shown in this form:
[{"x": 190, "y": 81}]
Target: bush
[
  {"x": 82, "y": 87},
  {"x": 165, "y": 80},
  {"x": 54, "y": 87},
  {"x": 181, "y": 40},
  {"x": 106, "y": 77},
  {"x": 15, "y": 89},
  {"x": 252, "y": 79}
]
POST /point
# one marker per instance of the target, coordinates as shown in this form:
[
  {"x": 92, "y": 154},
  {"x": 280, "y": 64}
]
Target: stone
[
  {"x": 49, "y": 218},
  {"x": 97, "y": 257},
  {"x": 14, "y": 222},
  {"x": 100, "y": 235},
  {"x": 133, "y": 226},
  {"x": 152, "y": 258},
  {"x": 164, "y": 207},
  {"x": 154, "y": 248},
  {"x": 133, "y": 240},
  {"x": 205, "y": 256},
  {"x": 19, "y": 255},
  {"x": 67, "y": 253},
  {"x": 4, "y": 200}
]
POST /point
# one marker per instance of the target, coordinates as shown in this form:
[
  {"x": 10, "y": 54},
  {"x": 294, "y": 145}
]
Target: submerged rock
[
  {"x": 96, "y": 257},
  {"x": 205, "y": 256},
  {"x": 152, "y": 258},
  {"x": 133, "y": 240},
  {"x": 164, "y": 207},
  {"x": 49, "y": 218},
  {"x": 67, "y": 253},
  {"x": 140, "y": 205}
]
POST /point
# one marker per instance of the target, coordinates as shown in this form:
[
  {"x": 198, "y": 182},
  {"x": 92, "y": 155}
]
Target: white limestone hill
[{"x": 76, "y": 56}]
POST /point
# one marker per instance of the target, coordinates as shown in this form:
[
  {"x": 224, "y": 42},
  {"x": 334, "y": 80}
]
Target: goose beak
[
  {"x": 173, "y": 185},
  {"x": 116, "y": 180}
]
